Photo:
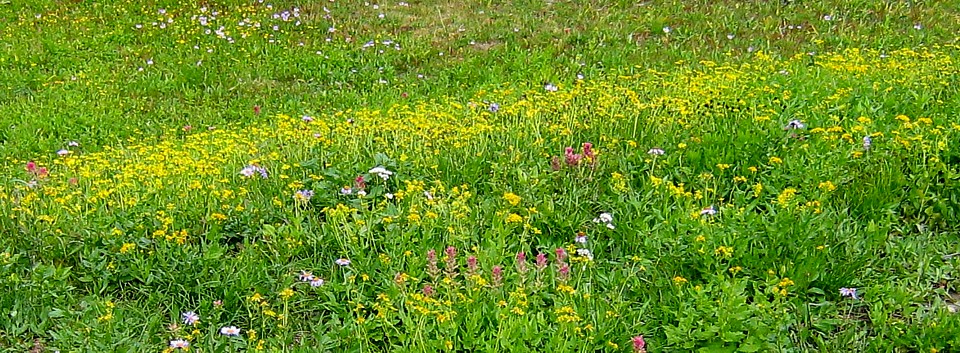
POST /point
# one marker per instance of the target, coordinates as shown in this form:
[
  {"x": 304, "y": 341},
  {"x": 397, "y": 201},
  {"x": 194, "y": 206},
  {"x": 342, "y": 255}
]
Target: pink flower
[
  {"x": 588, "y": 151},
  {"x": 573, "y": 159},
  {"x": 541, "y": 261},
  {"x": 359, "y": 183},
  {"x": 256, "y": 109},
  {"x": 639, "y": 345},
  {"x": 427, "y": 290},
  {"x": 497, "y": 275},
  {"x": 564, "y": 272},
  {"x": 472, "y": 264},
  {"x": 561, "y": 255},
  {"x": 521, "y": 262}
]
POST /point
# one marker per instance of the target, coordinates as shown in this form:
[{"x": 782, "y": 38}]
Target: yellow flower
[
  {"x": 127, "y": 247},
  {"x": 679, "y": 280},
  {"x": 775, "y": 160},
  {"x": 512, "y": 198},
  {"x": 827, "y": 185},
  {"x": 286, "y": 293},
  {"x": 514, "y": 218}
]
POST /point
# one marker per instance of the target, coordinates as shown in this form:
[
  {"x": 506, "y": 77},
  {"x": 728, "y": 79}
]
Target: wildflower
[
  {"x": 588, "y": 151},
  {"x": 303, "y": 195},
  {"x": 497, "y": 273},
  {"x": 541, "y": 261},
  {"x": 381, "y": 172},
  {"x": 581, "y": 238},
  {"x": 256, "y": 110},
  {"x": 432, "y": 268},
  {"x": 827, "y": 18},
  {"x": 639, "y": 345},
  {"x": 286, "y": 293},
  {"x": 63, "y": 153},
  {"x": 512, "y": 198},
  {"x": 451, "y": 261},
  {"x": 917, "y": 27},
  {"x": 316, "y": 282},
  {"x": 585, "y": 253},
  {"x": 667, "y": 29},
  {"x": 179, "y": 344},
  {"x": 708, "y": 211},
  {"x": 342, "y": 262},
  {"x": 561, "y": 255},
  {"x": 250, "y": 170},
  {"x": 427, "y": 290},
  {"x": 307, "y": 119},
  {"x": 217, "y": 303},
  {"x": 346, "y": 190},
  {"x": 472, "y": 264},
  {"x": 867, "y": 142},
  {"x": 306, "y": 276},
  {"x": 231, "y": 331},
  {"x": 794, "y": 124},
  {"x": 573, "y": 159},
  {"x": 606, "y": 219},
  {"x": 388, "y": 195},
  {"x": 849, "y": 292},
  {"x": 359, "y": 183},
  {"x": 494, "y": 107},
  {"x": 190, "y": 318},
  {"x": 564, "y": 272},
  {"x": 522, "y": 262},
  {"x": 655, "y": 151},
  {"x": 550, "y": 87},
  {"x": 555, "y": 163},
  {"x": 428, "y": 195}
]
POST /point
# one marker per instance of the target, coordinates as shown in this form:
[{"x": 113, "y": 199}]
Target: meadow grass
[{"x": 479, "y": 176}]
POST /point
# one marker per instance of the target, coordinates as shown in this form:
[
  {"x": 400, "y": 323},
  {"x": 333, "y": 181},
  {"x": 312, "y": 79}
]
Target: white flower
[
  {"x": 585, "y": 253},
  {"x": 611, "y": 226},
  {"x": 388, "y": 195},
  {"x": 316, "y": 282},
  {"x": 794, "y": 124},
  {"x": 605, "y": 217},
  {"x": 428, "y": 195},
  {"x": 582, "y": 239},
  {"x": 251, "y": 170},
  {"x": 342, "y": 262},
  {"x": 346, "y": 190},
  {"x": 867, "y": 142},
  {"x": 655, "y": 151},
  {"x": 709, "y": 211},
  {"x": 361, "y": 193},
  {"x": 827, "y": 17},
  {"x": 667, "y": 29},
  {"x": 550, "y": 87},
  {"x": 232, "y": 331},
  {"x": 849, "y": 292},
  {"x": 306, "y": 276},
  {"x": 73, "y": 144},
  {"x": 179, "y": 344},
  {"x": 190, "y": 318},
  {"x": 62, "y": 153},
  {"x": 381, "y": 172}
]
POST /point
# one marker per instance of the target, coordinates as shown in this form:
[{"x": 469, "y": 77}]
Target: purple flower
[
  {"x": 190, "y": 318},
  {"x": 849, "y": 292},
  {"x": 494, "y": 107},
  {"x": 303, "y": 195}
]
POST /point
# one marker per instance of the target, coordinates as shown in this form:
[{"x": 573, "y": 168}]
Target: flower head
[
  {"x": 867, "y": 142},
  {"x": 493, "y": 107},
  {"x": 849, "y": 292},
  {"x": 381, "y": 172},
  {"x": 231, "y": 331},
  {"x": 656, "y": 151},
  {"x": 342, "y": 262},
  {"x": 252, "y": 170},
  {"x": 303, "y": 195},
  {"x": 179, "y": 344},
  {"x": 190, "y": 318},
  {"x": 63, "y": 153},
  {"x": 316, "y": 282},
  {"x": 306, "y": 276},
  {"x": 581, "y": 238},
  {"x": 639, "y": 345}
]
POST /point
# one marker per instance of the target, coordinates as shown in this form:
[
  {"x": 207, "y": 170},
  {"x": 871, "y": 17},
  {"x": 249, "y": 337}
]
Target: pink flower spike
[{"x": 639, "y": 345}]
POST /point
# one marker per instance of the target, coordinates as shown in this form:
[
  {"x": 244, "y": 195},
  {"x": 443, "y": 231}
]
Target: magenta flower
[
  {"x": 541, "y": 261},
  {"x": 639, "y": 345}
]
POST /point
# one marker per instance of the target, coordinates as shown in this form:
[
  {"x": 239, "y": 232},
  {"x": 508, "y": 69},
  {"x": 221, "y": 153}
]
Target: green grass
[{"x": 149, "y": 217}]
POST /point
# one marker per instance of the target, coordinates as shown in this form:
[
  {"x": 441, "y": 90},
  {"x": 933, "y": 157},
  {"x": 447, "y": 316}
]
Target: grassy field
[{"x": 479, "y": 176}]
